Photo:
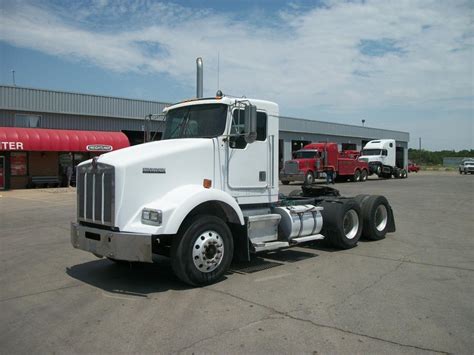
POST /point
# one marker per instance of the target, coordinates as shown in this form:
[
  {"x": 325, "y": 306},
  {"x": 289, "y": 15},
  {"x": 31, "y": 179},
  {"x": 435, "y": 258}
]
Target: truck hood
[{"x": 146, "y": 172}]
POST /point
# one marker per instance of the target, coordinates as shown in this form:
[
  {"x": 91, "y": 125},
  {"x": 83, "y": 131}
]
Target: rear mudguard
[{"x": 391, "y": 221}]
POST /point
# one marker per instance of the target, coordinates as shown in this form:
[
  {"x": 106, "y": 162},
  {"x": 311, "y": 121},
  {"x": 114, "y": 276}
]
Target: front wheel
[
  {"x": 378, "y": 170},
  {"x": 202, "y": 251},
  {"x": 309, "y": 178}
]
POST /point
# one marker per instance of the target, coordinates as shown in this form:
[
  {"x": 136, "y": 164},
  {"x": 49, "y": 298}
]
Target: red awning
[{"x": 56, "y": 140}]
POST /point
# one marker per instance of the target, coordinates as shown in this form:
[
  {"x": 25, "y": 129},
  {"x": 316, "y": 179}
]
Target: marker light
[{"x": 206, "y": 183}]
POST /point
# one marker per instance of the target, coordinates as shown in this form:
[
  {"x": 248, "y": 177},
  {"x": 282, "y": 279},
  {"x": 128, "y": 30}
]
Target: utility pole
[
  {"x": 13, "y": 76},
  {"x": 419, "y": 149}
]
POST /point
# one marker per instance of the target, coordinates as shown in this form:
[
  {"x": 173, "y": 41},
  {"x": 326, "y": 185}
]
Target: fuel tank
[{"x": 298, "y": 221}]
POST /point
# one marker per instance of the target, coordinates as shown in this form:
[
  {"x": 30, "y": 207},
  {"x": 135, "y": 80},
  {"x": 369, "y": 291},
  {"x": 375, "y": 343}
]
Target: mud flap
[{"x": 391, "y": 221}]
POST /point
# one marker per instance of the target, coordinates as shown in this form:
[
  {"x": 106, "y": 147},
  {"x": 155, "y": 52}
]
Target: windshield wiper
[{"x": 180, "y": 126}]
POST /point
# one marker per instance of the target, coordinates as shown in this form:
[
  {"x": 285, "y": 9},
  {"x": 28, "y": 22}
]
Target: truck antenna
[{"x": 218, "y": 69}]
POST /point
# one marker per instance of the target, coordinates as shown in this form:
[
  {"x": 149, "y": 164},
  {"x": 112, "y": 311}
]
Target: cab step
[
  {"x": 273, "y": 245},
  {"x": 306, "y": 239},
  {"x": 270, "y": 246}
]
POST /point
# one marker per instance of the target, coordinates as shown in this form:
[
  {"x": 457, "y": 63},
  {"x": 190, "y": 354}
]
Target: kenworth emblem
[{"x": 154, "y": 171}]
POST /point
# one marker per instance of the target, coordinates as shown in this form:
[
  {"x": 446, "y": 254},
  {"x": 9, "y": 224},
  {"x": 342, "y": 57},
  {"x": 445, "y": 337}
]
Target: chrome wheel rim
[
  {"x": 350, "y": 224},
  {"x": 208, "y": 251},
  {"x": 381, "y": 218}
]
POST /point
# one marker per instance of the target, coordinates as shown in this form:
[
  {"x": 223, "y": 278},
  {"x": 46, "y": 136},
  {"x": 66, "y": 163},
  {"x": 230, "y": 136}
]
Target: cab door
[{"x": 248, "y": 163}]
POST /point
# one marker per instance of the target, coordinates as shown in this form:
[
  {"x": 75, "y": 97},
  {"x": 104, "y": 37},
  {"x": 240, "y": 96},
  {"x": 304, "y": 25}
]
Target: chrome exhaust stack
[{"x": 199, "y": 78}]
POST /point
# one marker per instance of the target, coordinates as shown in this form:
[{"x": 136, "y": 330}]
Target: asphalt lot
[{"x": 410, "y": 293}]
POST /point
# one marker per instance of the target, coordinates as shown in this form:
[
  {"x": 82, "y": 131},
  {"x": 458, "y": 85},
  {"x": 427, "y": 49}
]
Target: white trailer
[
  {"x": 381, "y": 155},
  {"x": 208, "y": 193}
]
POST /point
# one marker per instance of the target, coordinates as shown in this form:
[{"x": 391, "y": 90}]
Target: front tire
[
  {"x": 202, "y": 251},
  {"x": 378, "y": 170},
  {"x": 309, "y": 178}
]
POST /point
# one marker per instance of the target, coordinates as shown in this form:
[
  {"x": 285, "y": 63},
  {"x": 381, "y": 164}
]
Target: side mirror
[{"x": 250, "y": 119}]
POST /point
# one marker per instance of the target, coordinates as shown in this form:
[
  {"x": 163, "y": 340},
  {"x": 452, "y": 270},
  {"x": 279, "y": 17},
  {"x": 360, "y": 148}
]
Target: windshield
[
  {"x": 372, "y": 152},
  {"x": 197, "y": 121},
  {"x": 304, "y": 155}
]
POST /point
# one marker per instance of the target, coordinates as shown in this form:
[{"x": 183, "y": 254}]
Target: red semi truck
[{"x": 315, "y": 159}]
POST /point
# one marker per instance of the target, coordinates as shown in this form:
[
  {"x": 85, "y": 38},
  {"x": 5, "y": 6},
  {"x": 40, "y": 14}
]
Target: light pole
[{"x": 13, "y": 76}]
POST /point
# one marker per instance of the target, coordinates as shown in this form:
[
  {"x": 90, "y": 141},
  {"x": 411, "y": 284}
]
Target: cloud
[{"x": 345, "y": 56}]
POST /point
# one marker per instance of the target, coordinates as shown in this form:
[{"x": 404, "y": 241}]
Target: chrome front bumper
[
  {"x": 291, "y": 177},
  {"x": 110, "y": 244}
]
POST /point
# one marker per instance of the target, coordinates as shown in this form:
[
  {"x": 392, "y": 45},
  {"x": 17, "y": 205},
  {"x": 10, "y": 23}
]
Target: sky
[{"x": 404, "y": 65}]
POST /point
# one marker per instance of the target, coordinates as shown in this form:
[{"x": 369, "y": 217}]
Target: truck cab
[
  {"x": 316, "y": 159},
  {"x": 381, "y": 155},
  {"x": 207, "y": 194}
]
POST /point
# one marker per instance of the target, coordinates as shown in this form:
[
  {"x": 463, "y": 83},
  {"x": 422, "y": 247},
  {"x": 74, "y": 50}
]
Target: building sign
[
  {"x": 18, "y": 164},
  {"x": 11, "y": 145},
  {"x": 99, "y": 148}
]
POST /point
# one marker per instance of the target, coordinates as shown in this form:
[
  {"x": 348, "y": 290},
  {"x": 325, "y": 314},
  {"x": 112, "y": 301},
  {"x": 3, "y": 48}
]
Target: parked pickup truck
[{"x": 467, "y": 166}]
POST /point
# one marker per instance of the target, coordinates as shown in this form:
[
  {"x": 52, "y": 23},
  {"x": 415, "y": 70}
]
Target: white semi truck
[
  {"x": 208, "y": 193},
  {"x": 381, "y": 155}
]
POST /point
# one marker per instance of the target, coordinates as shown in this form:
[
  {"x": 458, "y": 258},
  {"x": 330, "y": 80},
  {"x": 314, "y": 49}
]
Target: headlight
[{"x": 153, "y": 217}]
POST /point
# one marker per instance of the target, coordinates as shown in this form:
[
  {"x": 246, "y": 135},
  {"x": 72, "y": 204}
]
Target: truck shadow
[
  {"x": 268, "y": 260},
  {"x": 131, "y": 279},
  {"x": 143, "y": 279}
]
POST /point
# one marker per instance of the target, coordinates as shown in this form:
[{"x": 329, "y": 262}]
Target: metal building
[
  {"x": 26, "y": 107},
  {"x": 47, "y": 109},
  {"x": 297, "y": 132}
]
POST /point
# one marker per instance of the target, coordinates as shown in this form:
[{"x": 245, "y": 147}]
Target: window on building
[
  {"x": 27, "y": 120},
  {"x": 349, "y": 146},
  {"x": 18, "y": 163},
  {"x": 297, "y": 145}
]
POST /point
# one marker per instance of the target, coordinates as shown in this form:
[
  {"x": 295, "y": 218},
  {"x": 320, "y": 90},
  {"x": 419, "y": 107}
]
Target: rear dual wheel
[
  {"x": 357, "y": 176},
  {"x": 342, "y": 226},
  {"x": 375, "y": 216}
]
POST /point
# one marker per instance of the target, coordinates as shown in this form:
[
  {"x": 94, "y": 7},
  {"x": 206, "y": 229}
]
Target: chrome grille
[
  {"x": 291, "y": 167},
  {"x": 95, "y": 193}
]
